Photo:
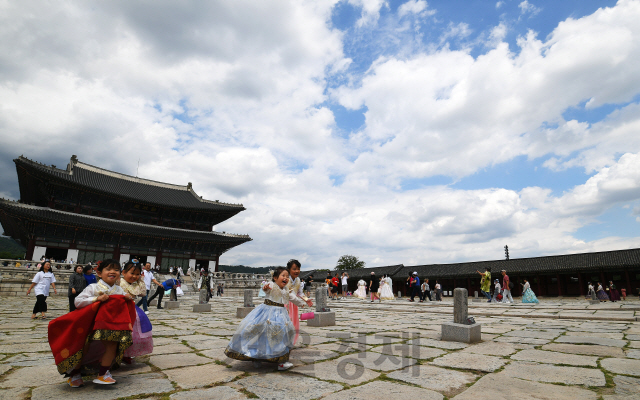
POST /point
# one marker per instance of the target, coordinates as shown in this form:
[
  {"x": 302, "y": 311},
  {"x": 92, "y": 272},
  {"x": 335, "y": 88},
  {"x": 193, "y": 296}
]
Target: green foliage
[
  {"x": 10, "y": 249},
  {"x": 349, "y": 262}
]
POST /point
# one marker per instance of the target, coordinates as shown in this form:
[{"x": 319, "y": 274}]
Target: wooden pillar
[
  {"x": 604, "y": 281},
  {"x": 217, "y": 263},
  {"x": 469, "y": 286},
  {"x": 158, "y": 257},
  {"x": 116, "y": 253},
  {"x": 30, "y": 247},
  {"x": 559, "y": 285},
  {"x": 581, "y": 283},
  {"x": 626, "y": 277},
  {"x": 454, "y": 283}
]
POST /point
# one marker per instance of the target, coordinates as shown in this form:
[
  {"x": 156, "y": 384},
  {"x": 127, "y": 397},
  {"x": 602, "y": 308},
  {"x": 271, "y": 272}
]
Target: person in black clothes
[
  {"x": 166, "y": 285},
  {"x": 307, "y": 285},
  {"x": 77, "y": 283},
  {"x": 374, "y": 284}
]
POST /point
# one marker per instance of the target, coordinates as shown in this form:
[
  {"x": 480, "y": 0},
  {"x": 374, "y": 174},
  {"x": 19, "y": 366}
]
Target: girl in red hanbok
[{"x": 99, "y": 331}]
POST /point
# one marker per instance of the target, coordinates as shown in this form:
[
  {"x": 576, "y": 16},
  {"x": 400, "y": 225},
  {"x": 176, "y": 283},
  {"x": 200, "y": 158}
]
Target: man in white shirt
[
  {"x": 345, "y": 286},
  {"x": 147, "y": 276}
]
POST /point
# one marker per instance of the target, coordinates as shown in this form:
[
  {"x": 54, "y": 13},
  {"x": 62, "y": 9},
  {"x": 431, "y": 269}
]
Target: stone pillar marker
[
  {"x": 247, "y": 305},
  {"x": 475, "y": 297},
  {"x": 202, "y": 305},
  {"x": 460, "y": 330},
  {"x": 323, "y": 315},
  {"x": 173, "y": 300}
]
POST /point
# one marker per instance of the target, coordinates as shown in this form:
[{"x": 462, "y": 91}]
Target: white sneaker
[
  {"x": 146, "y": 312},
  {"x": 285, "y": 366}
]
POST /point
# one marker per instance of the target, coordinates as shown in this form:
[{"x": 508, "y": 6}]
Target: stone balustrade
[{"x": 234, "y": 283}]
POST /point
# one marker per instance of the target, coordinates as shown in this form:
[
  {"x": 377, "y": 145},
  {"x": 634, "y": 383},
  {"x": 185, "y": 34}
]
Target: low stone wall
[{"x": 16, "y": 281}]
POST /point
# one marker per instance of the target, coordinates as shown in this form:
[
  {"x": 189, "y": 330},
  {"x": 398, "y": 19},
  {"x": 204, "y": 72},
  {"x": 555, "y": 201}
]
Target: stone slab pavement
[{"x": 560, "y": 349}]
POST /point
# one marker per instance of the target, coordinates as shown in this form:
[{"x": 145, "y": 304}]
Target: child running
[
  {"x": 297, "y": 297},
  {"x": 133, "y": 284},
  {"x": 266, "y": 334},
  {"x": 98, "y": 331}
]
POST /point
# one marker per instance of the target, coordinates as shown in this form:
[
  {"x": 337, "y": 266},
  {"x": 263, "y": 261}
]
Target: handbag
[
  {"x": 167, "y": 292},
  {"x": 179, "y": 291}
]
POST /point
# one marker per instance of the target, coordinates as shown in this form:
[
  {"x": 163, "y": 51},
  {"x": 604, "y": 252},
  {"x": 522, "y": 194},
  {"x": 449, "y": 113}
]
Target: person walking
[
  {"x": 43, "y": 279},
  {"x": 497, "y": 295},
  {"x": 438, "y": 289},
  {"x": 527, "y": 294},
  {"x": 335, "y": 284},
  {"x": 485, "y": 283},
  {"x": 345, "y": 286},
  {"x": 77, "y": 283},
  {"x": 147, "y": 277},
  {"x": 415, "y": 286},
  {"x": 427, "y": 290},
  {"x": 600, "y": 293},
  {"x": 506, "y": 288},
  {"x": 613, "y": 292},
  {"x": 374, "y": 285}
]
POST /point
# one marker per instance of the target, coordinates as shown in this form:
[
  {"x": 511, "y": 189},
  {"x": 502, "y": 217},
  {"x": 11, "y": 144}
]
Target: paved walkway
[{"x": 560, "y": 349}]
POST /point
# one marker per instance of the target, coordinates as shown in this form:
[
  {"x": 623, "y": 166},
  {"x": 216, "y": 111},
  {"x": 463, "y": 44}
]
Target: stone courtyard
[{"x": 561, "y": 349}]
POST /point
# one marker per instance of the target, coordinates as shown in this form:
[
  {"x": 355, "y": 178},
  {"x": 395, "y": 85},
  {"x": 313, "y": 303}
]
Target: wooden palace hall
[{"x": 87, "y": 213}]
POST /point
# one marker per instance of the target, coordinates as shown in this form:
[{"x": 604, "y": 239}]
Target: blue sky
[{"x": 407, "y": 132}]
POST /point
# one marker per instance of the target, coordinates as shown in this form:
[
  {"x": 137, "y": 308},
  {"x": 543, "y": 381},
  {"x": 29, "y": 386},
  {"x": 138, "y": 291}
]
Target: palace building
[{"x": 86, "y": 213}]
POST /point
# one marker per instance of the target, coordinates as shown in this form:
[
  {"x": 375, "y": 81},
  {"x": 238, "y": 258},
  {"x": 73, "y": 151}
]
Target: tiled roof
[
  {"x": 57, "y": 217},
  {"x": 566, "y": 263},
  {"x": 126, "y": 186}
]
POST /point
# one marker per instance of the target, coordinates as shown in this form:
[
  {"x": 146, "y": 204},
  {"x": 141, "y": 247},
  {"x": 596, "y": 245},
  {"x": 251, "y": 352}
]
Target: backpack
[
  {"x": 499, "y": 297},
  {"x": 511, "y": 285}
]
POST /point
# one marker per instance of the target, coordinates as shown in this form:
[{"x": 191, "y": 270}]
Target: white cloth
[
  {"x": 296, "y": 295},
  {"x": 148, "y": 278},
  {"x": 361, "y": 293},
  {"x": 385, "y": 290},
  {"x": 277, "y": 295},
  {"x": 43, "y": 280},
  {"x": 344, "y": 281},
  {"x": 390, "y": 283},
  {"x": 91, "y": 292}
]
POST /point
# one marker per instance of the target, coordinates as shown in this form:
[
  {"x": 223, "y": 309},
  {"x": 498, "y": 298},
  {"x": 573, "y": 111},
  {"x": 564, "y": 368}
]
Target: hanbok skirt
[
  {"x": 386, "y": 293},
  {"x": 361, "y": 293},
  {"x": 266, "y": 334},
  {"x": 295, "y": 319},
  {"x": 142, "y": 336},
  {"x": 529, "y": 297},
  {"x": 615, "y": 295},
  {"x": 602, "y": 296}
]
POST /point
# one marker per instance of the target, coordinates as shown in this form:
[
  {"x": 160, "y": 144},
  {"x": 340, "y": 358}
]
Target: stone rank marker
[
  {"x": 173, "y": 300},
  {"x": 202, "y": 305},
  {"x": 248, "y": 305},
  {"x": 323, "y": 315},
  {"x": 460, "y": 330}
]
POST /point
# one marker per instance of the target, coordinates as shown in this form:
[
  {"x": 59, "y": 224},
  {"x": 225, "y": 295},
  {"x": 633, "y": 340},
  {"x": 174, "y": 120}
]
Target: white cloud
[
  {"x": 231, "y": 96},
  {"x": 528, "y": 8},
  {"x": 499, "y": 4}
]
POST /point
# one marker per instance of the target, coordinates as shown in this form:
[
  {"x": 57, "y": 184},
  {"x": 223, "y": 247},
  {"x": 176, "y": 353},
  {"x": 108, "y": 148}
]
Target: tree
[{"x": 349, "y": 262}]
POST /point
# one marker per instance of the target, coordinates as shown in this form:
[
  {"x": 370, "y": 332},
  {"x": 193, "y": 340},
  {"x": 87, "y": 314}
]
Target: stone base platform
[
  {"x": 323, "y": 319},
  {"x": 453, "y": 332},
  {"x": 242, "y": 312},
  {"x": 205, "y": 307},
  {"x": 171, "y": 304},
  {"x": 478, "y": 300},
  {"x": 594, "y": 301}
]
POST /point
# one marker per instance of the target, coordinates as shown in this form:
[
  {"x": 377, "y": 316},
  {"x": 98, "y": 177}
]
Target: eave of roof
[
  {"x": 58, "y": 217},
  {"x": 126, "y": 186}
]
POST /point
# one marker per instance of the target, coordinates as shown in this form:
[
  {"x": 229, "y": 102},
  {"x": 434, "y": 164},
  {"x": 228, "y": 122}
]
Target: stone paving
[{"x": 559, "y": 349}]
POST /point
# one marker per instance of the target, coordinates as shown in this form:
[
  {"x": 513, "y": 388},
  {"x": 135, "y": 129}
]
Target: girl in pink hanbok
[
  {"x": 297, "y": 297},
  {"x": 133, "y": 284}
]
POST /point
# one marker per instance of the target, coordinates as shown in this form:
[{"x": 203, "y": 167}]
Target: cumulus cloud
[
  {"x": 528, "y": 8},
  {"x": 233, "y": 95}
]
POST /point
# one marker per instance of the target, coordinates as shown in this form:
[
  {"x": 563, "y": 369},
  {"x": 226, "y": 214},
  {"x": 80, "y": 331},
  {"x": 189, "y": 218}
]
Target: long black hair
[{"x": 50, "y": 266}]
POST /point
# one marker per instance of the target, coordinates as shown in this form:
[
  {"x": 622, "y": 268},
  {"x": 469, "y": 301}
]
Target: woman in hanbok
[
  {"x": 133, "y": 284},
  {"x": 613, "y": 292},
  {"x": 591, "y": 292},
  {"x": 361, "y": 292},
  {"x": 297, "y": 298},
  {"x": 267, "y": 333},
  {"x": 386, "y": 291},
  {"x": 602, "y": 296},
  {"x": 527, "y": 294}
]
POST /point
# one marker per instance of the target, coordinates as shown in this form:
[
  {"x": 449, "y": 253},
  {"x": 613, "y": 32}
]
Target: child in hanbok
[
  {"x": 361, "y": 292},
  {"x": 98, "y": 331},
  {"x": 527, "y": 294},
  {"x": 266, "y": 334},
  {"x": 297, "y": 298},
  {"x": 133, "y": 284}
]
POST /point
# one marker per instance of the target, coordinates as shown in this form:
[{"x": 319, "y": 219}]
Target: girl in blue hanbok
[
  {"x": 527, "y": 294},
  {"x": 267, "y": 333}
]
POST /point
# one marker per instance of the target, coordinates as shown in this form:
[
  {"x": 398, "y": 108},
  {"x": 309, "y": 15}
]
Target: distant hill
[
  {"x": 243, "y": 269},
  {"x": 9, "y": 248}
]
